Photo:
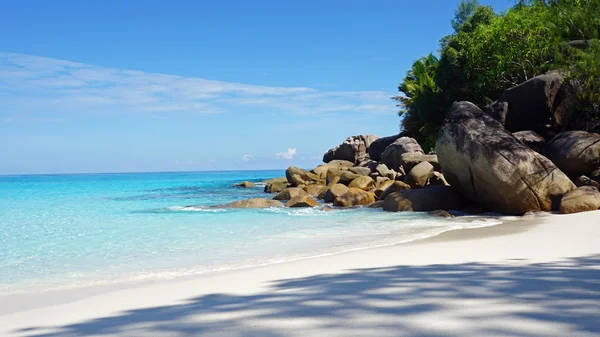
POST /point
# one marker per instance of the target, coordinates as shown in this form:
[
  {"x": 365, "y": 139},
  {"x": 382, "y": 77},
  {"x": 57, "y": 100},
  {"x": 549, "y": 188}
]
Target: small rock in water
[
  {"x": 327, "y": 208},
  {"x": 251, "y": 203},
  {"x": 245, "y": 184},
  {"x": 441, "y": 213}
]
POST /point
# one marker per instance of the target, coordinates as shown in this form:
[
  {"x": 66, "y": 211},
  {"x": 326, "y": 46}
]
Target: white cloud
[
  {"x": 247, "y": 157},
  {"x": 39, "y": 83},
  {"x": 289, "y": 154}
]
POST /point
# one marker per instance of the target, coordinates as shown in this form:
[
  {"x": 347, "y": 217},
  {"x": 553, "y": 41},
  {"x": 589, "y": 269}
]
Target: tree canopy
[{"x": 489, "y": 53}]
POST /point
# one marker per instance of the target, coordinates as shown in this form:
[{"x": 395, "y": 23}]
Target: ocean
[{"x": 64, "y": 231}]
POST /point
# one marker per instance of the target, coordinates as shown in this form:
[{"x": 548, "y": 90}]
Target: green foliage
[
  {"x": 463, "y": 13},
  {"x": 489, "y": 53},
  {"x": 585, "y": 74},
  {"x": 421, "y": 93}
]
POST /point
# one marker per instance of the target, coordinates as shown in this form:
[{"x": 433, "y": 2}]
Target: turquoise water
[{"x": 60, "y": 231}]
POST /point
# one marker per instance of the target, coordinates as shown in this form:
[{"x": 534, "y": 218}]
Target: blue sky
[{"x": 117, "y": 86}]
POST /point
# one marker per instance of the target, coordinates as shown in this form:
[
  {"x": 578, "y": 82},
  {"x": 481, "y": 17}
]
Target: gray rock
[
  {"x": 370, "y": 164},
  {"x": 585, "y": 181},
  {"x": 424, "y": 200},
  {"x": 353, "y": 149},
  {"x": 392, "y": 155},
  {"x": 363, "y": 171},
  {"x": 575, "y": 152},
  {"x": 539, "y": 104},
  {"x": 412, "y": 159},
  {"x": 488, "y": 165},
  {"x": 420, "y": 175},
  {"x": 384, "y": 171},
  {"x": 531, "y": 139},
  {"x": 379, "y": 145}
]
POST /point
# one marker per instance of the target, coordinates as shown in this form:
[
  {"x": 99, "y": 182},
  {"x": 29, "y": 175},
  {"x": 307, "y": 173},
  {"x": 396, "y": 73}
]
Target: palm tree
[{"x": 421, "y": 115}]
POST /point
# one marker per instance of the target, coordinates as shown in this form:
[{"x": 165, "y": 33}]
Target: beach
[{"x": 539, "y": 276}]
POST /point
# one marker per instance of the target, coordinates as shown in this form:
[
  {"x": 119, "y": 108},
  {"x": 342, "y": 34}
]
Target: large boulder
[
  {"x": 315, "y": 189},
  {"x": 539, "y": 104},
  {"x": 491, "y": 167},
  {"x": 354, "y": 197},
  {"x": 365, "y": 183},
  {"x": 424, "y": 200},
  {"x": 297, "y": 176},
  {"x": 289, "y": 193},
  {"x": 531, "y": 139},
  {"x": 392, "y": 155},
  {"x": 420, "y": 175},
  {"x": 378, "y": 146},
  {"x": 335, "y": 191},
  {"x": 575, "y": 152},
  {"x": 251, "y": 203},
  {"x": 353, "y": 149},
  {"x": 322, "y": 169},
  {"x": 583, "y": 199},
  {"x": 301, "y": 201}
]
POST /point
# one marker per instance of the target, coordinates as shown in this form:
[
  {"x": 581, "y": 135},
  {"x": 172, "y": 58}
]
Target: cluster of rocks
[
  {"x": 494, "y": 159},
  {"x": 516, "y": 154},
  {"x": 365, "y": 170}
]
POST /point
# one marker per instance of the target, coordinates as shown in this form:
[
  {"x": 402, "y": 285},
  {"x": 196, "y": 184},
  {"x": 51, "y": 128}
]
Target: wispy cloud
[
  {"x": 42, "y": 83},
  {"x": 289, "y": 154},
  {"x": 247, "y": 157}
]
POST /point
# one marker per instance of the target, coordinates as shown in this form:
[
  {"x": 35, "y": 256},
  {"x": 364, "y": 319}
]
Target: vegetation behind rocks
[{"x": 490, "y": 52}]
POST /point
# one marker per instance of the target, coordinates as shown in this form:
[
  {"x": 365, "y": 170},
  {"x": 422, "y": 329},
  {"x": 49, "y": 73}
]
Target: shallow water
[{"x": 74, "y": 230}]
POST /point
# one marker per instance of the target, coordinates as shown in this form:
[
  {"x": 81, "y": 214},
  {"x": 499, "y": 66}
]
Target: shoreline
[
  {"x": 578, "y": 238},
  {"x": 75, "y": 291},
  {"x": 192, "y": 271}
]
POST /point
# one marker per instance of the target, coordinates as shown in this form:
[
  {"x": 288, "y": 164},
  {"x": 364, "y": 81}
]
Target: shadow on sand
[{"x": 473, "y": 299}]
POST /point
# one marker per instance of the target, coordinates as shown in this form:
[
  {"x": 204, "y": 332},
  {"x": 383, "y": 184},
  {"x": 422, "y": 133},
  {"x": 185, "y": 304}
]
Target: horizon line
[{"x": 133, "y": 172}]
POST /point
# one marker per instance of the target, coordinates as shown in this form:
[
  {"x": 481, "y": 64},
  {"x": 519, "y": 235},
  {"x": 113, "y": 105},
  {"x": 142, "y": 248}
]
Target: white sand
[{"x": 516, "y": 279}]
